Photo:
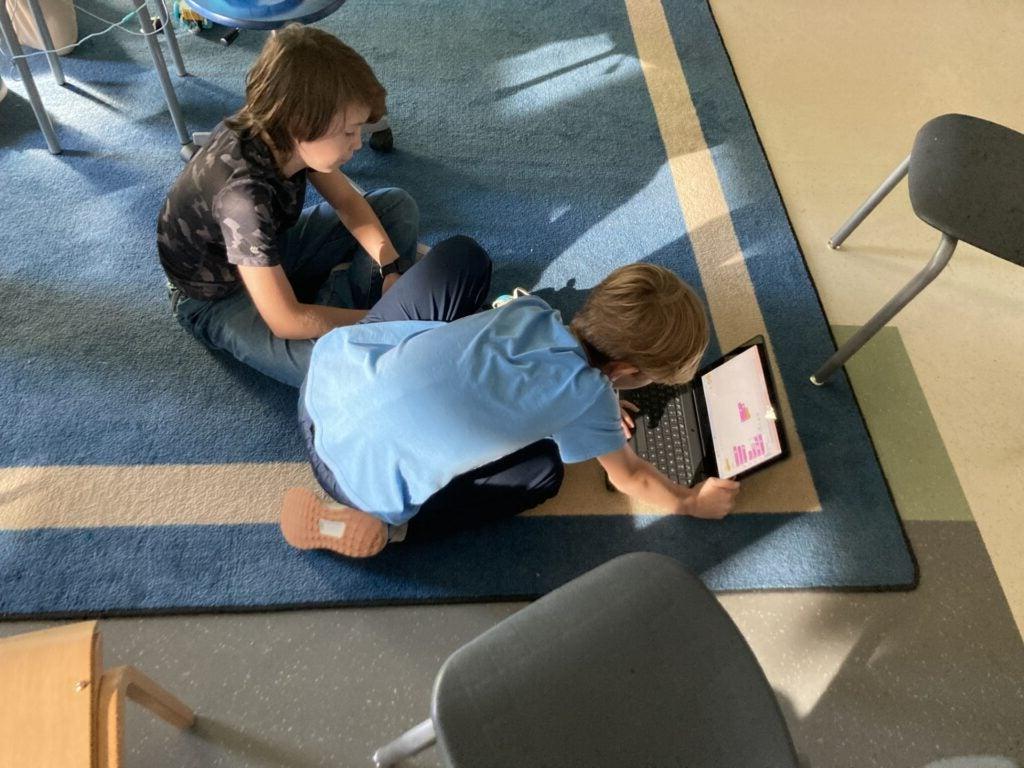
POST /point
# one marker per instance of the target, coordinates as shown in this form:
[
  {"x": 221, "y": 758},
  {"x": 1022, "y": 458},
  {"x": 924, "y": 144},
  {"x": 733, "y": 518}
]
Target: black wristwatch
[{"x": 390, "y": 269}]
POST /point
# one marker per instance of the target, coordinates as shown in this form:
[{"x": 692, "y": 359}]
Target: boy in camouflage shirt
[{"x": 250, "y": 271}]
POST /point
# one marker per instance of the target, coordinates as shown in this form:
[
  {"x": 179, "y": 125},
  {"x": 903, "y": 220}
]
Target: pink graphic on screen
[
  {"x": 738, "y": 388},
  {"x": 741, "y": 454}
]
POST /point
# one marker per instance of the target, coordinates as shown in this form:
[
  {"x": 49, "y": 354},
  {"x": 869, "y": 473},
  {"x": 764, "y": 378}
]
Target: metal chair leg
[
  {"x": 47, "y": 41},
  {"x": 410, "y": 743},
  {"x": 938, "y": 262},
  {"x": 146, "y": 23},
  {"x": 12, "y": 44},
  {"x": 172, "y": 39},
  {"x": 870, "y": 204}
]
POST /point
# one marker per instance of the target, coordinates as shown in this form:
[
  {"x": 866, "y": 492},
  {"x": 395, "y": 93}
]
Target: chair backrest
[
  {"x": 632, "y": 664},
  {"x": 967, "y": 180}
]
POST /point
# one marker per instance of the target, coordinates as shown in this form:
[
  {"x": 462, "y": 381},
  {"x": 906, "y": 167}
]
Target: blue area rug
[{"x": 526, "y": 125}]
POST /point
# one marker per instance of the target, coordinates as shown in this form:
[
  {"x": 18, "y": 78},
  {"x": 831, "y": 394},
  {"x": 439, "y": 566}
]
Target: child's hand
[
  {"x": 388, "y": 282},
  {"x": 627, "y": 418},
  {"x": 715, "y": 498}
]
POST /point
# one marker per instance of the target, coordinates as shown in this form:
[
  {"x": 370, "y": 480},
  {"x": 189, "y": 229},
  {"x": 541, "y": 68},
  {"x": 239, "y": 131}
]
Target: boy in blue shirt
[{"x": 431, "y": 414}]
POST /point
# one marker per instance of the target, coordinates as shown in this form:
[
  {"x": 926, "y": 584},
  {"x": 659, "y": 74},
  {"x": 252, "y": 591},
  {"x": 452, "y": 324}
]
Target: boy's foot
[
  {"x": 308, "y": 523},
  {"x": 505, "y": 298}
]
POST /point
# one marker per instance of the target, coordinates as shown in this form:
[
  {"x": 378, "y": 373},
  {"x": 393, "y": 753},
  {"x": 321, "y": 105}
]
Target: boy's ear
[{"x": 616, "y": 370}]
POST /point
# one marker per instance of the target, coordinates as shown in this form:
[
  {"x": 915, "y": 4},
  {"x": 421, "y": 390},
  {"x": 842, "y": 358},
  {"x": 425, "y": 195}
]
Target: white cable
[
  {"x": 116, "y": 23},
  {"x": 71, "y": 46}
]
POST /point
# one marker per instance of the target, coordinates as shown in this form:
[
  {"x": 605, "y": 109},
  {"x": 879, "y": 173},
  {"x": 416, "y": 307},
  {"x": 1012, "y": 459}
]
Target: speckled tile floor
[
  {"x": 837, "y": 92},
  {"x": 884, "y": 679}
]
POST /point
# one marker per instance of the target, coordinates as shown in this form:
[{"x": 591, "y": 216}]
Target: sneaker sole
[{"x": 358, "y": 535}]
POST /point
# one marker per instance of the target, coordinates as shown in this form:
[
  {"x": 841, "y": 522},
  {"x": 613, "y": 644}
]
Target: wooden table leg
[{"x": 127, "y": 682}]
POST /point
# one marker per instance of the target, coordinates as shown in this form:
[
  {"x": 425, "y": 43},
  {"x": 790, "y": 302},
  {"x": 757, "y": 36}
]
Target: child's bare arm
[
  {"x": 713, "y": 499},
  {"x": 286, "y": 317},
  {"x": 356, "y": 214}
]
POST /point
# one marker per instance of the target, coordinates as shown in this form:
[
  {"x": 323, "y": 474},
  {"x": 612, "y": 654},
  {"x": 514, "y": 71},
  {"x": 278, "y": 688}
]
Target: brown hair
[
  {"x": 302, "y": 80},
  {"x": 645, "y": 315}
]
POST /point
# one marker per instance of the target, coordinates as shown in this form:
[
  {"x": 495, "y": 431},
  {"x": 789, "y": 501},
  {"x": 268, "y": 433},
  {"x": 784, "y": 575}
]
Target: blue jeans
[{"x": 310, "y": 250}]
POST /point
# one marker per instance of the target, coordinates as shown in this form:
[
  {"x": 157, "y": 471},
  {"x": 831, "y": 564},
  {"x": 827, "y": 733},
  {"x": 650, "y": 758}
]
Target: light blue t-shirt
[{"x": 401, "y": 408}]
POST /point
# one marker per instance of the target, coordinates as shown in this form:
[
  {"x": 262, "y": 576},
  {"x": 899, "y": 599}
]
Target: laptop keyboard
[{"x": 663, "y": 440}]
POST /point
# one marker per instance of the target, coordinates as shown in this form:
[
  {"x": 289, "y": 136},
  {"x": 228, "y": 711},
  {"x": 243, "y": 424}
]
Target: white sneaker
[{"x": 505, "y": 298}]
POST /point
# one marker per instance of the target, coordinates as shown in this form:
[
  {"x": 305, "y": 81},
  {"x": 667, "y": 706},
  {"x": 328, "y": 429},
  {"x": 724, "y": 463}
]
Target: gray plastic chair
[
  {"x": 634, "y": 663},
  {"x": 967, "y": 181}
]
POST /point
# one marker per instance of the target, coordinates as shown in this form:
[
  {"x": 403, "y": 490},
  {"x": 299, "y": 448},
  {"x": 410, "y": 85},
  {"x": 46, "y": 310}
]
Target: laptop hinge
[{"x": 704, "y": 447}]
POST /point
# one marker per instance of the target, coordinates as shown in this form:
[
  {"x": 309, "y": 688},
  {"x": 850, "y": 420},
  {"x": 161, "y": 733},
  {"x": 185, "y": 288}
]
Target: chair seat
[
  {"x": 264, "y": 14},
  {"x": 967, "y": 180},
  {"x": 47, "y": 692},
  {"x": 634, "y": 663}
]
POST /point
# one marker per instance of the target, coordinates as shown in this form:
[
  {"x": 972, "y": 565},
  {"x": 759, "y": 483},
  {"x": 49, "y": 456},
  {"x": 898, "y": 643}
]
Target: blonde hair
[
  {"x": 645, "y": 315},
  {"x": 303, "y": 79}
]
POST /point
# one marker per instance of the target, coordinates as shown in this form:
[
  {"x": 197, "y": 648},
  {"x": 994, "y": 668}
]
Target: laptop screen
[{"x": 744, "y": 429}]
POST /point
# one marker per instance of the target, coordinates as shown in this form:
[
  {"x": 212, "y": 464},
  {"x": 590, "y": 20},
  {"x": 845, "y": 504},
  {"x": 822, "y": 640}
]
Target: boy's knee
[
  {"x": 394, "y": 205},
  {"x": 553, "y": 481},
  {"x": 550, "y": 472},
  {"x": 464, "y": 254}
]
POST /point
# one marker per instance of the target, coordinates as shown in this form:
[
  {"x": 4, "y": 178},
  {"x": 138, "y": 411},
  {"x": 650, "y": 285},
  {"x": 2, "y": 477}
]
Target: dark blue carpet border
[{"x": 521, "y": 558}]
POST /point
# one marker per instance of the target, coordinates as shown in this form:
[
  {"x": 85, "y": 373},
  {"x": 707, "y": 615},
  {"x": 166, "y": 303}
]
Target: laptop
[{"x": 725, "y": 423}]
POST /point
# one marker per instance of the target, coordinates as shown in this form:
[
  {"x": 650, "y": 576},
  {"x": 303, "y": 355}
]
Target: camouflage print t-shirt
[{"x": 228, "y": 207}]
